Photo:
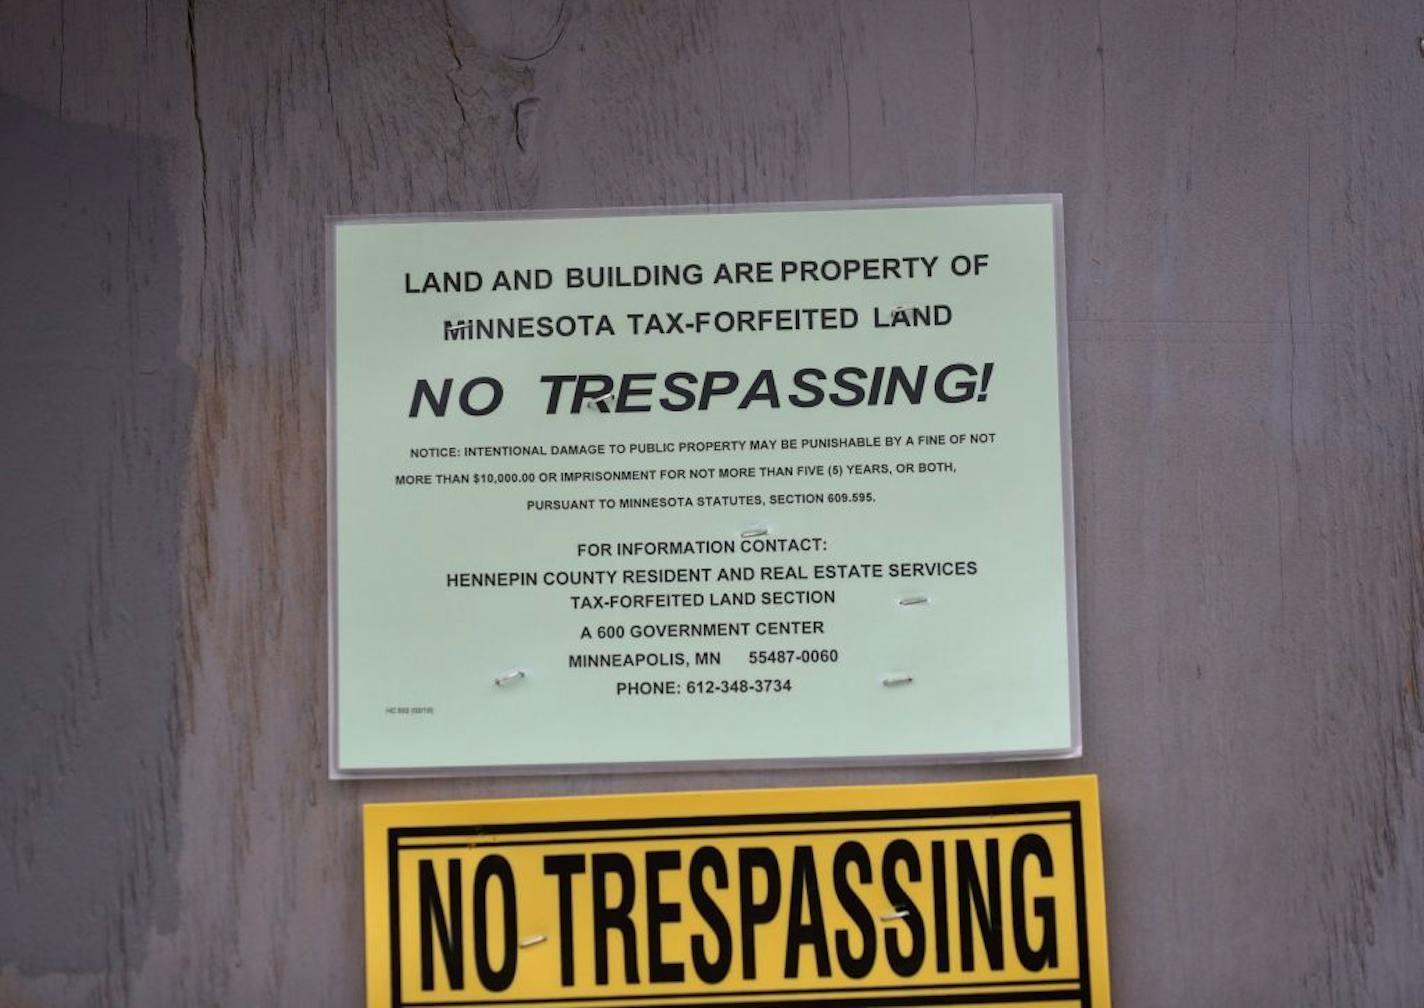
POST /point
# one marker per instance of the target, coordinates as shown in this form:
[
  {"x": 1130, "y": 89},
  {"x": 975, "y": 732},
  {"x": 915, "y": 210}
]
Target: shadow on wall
[{"x": 95, "y": 409}]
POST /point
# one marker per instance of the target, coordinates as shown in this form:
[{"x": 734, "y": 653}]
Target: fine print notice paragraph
[
  {"x": 731, "y": 479},
  {"x": 688, "y": 598}
]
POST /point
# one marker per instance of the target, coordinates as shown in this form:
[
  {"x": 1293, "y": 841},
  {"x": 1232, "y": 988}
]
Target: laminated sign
[
  {"x": 734, "y": 481},
  {"x": 944, "y": 894}
]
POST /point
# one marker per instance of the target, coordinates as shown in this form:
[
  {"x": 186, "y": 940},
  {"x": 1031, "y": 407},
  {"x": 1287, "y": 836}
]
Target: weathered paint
[{"x": 95, "y": 407}]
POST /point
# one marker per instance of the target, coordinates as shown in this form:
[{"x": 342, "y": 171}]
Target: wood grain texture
[{"x": 1244, "y": 193}]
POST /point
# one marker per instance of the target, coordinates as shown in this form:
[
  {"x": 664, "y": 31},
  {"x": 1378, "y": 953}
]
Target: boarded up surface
[{"x": 1244, "y": 236}]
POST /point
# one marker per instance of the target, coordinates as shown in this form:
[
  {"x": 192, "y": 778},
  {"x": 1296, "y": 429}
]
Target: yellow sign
[{"x": 926, "y": 894}]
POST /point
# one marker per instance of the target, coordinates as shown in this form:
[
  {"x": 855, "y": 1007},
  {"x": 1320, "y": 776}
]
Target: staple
[
  {"x": 915, "y": 600},
  {"x": 897, "y": 680},
  {"x": 514, "y": 675},
  {"x": 899, "y": 913},
  {"x": 532, "y": 940},
  {"x": 752, "y": 531}
]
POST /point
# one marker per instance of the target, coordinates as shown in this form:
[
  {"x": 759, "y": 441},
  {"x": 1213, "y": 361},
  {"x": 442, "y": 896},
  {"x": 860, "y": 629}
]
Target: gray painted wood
[{"x": 1244, "y": 188}]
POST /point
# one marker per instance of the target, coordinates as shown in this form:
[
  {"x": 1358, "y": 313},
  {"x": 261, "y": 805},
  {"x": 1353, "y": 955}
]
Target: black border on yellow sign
[{"x": 1081, "y": 995}]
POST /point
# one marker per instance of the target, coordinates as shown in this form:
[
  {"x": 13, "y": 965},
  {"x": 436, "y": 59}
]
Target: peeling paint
[{"x": 95, "y": 409}]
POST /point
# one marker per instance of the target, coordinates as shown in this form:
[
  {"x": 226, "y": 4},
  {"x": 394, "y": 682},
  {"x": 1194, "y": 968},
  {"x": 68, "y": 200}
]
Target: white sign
[{"x": 779, "y": 484}]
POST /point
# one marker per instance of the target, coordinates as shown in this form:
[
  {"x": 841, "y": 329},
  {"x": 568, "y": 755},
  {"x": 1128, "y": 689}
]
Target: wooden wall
[{"x": 1244, "y": 194}]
